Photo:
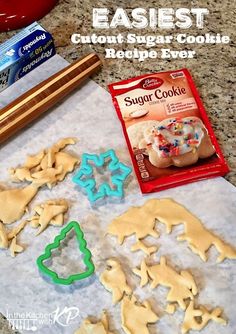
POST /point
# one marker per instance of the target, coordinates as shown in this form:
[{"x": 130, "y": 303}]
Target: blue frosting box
[{"x": 23, "y": 52}]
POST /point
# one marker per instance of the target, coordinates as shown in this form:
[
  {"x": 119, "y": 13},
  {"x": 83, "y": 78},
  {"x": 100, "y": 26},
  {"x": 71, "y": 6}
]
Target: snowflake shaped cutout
[{"x": 85, "y": 178}]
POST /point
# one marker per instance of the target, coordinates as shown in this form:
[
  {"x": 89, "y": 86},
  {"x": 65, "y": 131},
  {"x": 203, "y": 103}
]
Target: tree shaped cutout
[{"x": 87, "y": 256}]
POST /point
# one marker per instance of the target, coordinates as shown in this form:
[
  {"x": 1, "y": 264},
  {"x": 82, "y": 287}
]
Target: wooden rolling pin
[{"x": 40, "y": 98}]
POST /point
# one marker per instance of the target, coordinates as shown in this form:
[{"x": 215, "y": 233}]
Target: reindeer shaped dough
[
  {"x": 136, "y": 316},
  {"x": 182, "y": 286},
  {"x": 114, "y": 280},
  {"x": 99, "y": 327},
  {"x": 134, "y": 221},
  {"x": 190, "y": 322}
]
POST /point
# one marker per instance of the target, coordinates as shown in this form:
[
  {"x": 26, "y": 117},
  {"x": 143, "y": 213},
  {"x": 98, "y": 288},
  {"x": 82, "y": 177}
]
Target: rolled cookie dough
[
  {"x": 142, "y": 220},
  {"x": 13, "y": 202}
]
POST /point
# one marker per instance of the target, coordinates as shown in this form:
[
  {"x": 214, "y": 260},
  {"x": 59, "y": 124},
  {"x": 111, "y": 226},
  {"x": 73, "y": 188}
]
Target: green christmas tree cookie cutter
[{"x": 87, "y": 256}]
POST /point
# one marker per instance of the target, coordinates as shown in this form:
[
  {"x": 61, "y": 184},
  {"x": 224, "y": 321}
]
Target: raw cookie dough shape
[
  {"x": 87, "y": 256},
  {"x": 84, "y": 177},
  {"x": 15, "y": 248},
  {"x": 16, "y": 230},
  {"x": 136, "y": 316},
  {"x": 98, "y": 327},
  {"x": 13, "y": 202},
  {"x": 134, "y": 221},
  {"x": 49, "y": 213},
  {"x": 182, "y": 285},
  {"x": 139, "y": 245},
  {"x": 190, "y": 322},
  {"x": 141, "y": 220},
  {"x": 114, "y": 280},
  {"x": 8, "y": 238}
]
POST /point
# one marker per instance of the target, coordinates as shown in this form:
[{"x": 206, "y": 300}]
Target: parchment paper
[{"x": 89, "y": 115}]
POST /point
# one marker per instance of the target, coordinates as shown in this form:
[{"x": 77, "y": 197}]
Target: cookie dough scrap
[
  {"x": 182, "y": 285},
  {"x": 99, "y": 327},
  {"x": 171, "y": 308},
  {"x": 15, "y": 248},
  {"x": 14, "y": 202},
  {"x": 48, "y": 175},
  {"x": 49, "y": 166},
  {"x": 114, "y": 280},
  {"x": 191, "y": 314},
  {"x": 8, "y": 240},
  {"x": 136, "y": 316},
  {"x": 49, "y": 213},
  {"x": 139, "y": 245},
  {"x": 16, "y": 230},
  {"x": 141, "y": 221}
]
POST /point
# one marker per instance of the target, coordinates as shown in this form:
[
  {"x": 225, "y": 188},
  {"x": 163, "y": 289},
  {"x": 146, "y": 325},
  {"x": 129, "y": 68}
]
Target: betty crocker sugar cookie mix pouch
[{"x": 169, "y": 136}]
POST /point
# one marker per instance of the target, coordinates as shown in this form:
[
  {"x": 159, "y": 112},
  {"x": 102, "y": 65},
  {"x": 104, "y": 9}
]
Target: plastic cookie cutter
[
  {"x": 87, "y": 256},
  {"x": 85, "y": 179}
]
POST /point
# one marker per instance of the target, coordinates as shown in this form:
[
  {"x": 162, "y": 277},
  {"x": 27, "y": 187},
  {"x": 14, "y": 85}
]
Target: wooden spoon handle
[{"x": 40, "y": 98}]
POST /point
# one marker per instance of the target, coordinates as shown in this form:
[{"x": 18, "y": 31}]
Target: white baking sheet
[{"x": 89, "y": 115}]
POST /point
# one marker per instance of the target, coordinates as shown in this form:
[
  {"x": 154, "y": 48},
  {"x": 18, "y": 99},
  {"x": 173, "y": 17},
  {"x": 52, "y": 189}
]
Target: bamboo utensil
[{"x": 40, "y": 98}]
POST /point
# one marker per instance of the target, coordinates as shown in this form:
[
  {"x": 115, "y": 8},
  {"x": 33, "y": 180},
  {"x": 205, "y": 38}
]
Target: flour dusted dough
[
  {"x": 190, "y": 322},
  {"x": 114, "y": 280},
  {"x": 136, "y": 316},
  {"x": 141, "y": 221},
  {"x": 182, "y": 285},
  {"x": 99, "y": 327}
]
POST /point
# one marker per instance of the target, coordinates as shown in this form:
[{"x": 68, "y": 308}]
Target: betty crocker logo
[{"x": 151, "y": 83}]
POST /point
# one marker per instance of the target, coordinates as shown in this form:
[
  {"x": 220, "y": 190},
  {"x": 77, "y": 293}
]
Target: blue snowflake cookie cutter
[{"x": 85, "y": 179}]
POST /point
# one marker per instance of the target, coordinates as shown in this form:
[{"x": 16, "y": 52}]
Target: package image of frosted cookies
[{"x": 167, "y": 130}]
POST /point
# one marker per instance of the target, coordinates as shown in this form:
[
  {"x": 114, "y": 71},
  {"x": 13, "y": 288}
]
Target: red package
[{"x": 168, "y": 133}]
